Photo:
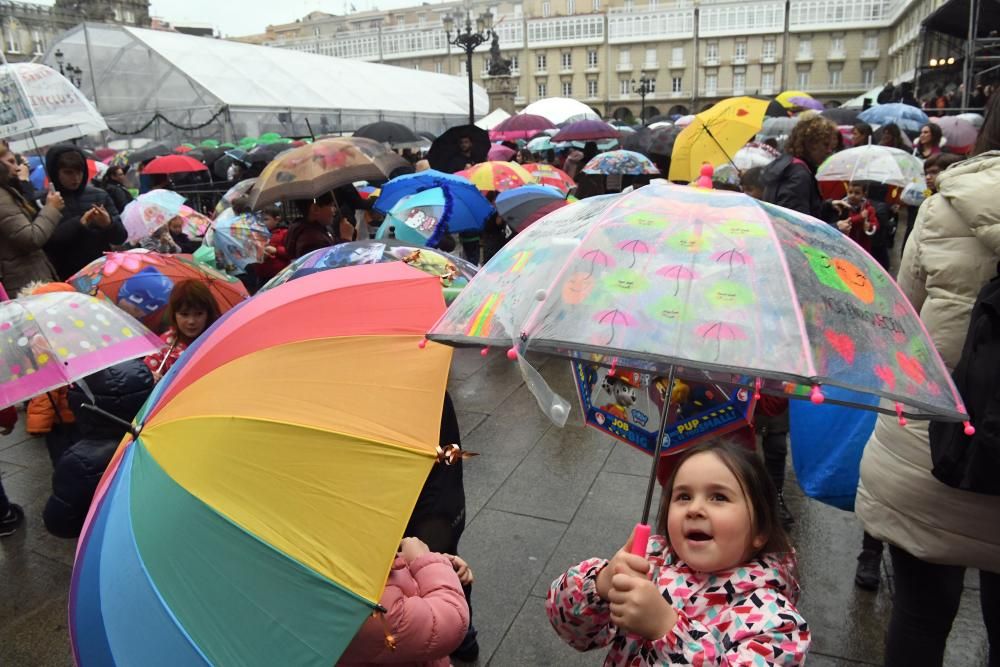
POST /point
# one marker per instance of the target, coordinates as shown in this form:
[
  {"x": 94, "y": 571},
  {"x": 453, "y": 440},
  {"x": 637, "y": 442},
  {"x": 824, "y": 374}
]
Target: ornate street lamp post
[
  {"x": 467, "y": 40},
  {"x": 645, "y": 87},
  {"x": 73, "y": 74}
]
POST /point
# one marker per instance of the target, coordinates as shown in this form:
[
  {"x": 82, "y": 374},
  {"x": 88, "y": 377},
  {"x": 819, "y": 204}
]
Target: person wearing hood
[
  {"x": 119, "y": 390},
  {"x": 935, "y": 531},
  {"x": 114, "y": 183},
  {"x": 790, "y": 181},
  {"x": 24, "y": 230},
  {"x": 722, "y": 589},
  {"x": 90, "y": 224}
]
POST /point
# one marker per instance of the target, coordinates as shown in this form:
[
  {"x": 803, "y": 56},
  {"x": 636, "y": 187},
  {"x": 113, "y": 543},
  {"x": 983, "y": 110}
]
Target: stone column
[{"x": 501, "y": 90}]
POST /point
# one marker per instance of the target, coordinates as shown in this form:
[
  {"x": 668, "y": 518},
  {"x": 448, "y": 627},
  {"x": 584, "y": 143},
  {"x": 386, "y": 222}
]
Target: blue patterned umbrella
[
  {"x": 461, "y": 191},
  {"x": 907, "y": 118},
  {"x": 621, "y": 162}
]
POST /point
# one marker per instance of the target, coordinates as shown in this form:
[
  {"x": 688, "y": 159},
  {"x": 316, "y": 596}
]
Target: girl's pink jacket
[{"x": 426, "y": 615}]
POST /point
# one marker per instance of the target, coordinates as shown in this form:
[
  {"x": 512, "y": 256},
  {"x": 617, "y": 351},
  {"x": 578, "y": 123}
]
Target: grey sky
[{"x": 244, "y": 17}]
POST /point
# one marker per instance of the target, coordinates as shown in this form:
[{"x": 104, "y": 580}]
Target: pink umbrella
[
  {"x": 960, "y": 133},
  {"x": 521, "y": 126},
  {"x": 678, "y": 273},
  {"x": 586, "y": 130},
  {"x": 500, "y": 152}
]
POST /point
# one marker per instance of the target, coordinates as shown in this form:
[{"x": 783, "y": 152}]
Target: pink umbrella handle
[
  {"x": 3, "y": 294},
  {"x": 640, "y": 539}
]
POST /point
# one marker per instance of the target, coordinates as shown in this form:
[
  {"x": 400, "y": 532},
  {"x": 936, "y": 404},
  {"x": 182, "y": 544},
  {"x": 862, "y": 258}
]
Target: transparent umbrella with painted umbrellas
[
  {"x": 676, "y": 281},
  {"x": 892, "y": 167}
]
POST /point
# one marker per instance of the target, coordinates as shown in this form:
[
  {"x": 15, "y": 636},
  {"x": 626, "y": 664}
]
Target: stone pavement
[{"x": 540, "y": 499}]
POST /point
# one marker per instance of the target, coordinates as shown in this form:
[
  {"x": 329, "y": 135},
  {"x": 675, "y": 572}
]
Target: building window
[
  {"x": 129, "y": 16},
  {"x": 739, "y": 82},
  {"x": 650, "y": 86},
  {"x": 546, "y": 8},
  {"x": 624, "y": 87},
  {"x": 650, "y": 55},
  {"x": 540, "y": 89},
  {"x": 416, "y": 66},
  {"x": 629, "y": 5},
  {"x": 677, "y": 56},
  {"x": 540, "y": 62},
  {"x": 462, "y": 68},
  {"x": 566, "y": 60},
  {"x": 591, "y": 87},
  {"x": 837, "y": 45},
  {"x": 740, "y": 51},
  {"x": 571, "y": 7},
  {"x": 596, "y": 5},
  {"x": 871, "y": 43},
  {"x": 767, "y": 82},
  {"x": 805, "y": 47},
  {"x": 518, "y": 11},
  {"x": 868, "y": 77},
  {"x": 803, "y": 80},
  {"x": 770, "y": 49},
  {"x": 515, "y": 65},
  {"x": 652, "y": 4},
  {"x": 567, "y": 89},
  {"x": 712, "y": 52},
  {"x": 592, "y": 59},
  {"x": 39, "y": 41},
  {"x": 836, "y": 77},
  {"x": 677, "y": 84},
  {"x": 316, "y": 32},
  {"x": 438, "y": 68},
  {"x": 624, "y": 56},
  {"x": 13, "y": 37},
  {"x": 711, "y": 84}
]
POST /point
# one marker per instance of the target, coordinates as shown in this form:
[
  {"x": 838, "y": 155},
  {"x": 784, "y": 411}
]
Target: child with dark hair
[
  {"x": 275, "y": 252},
  {"x": 716, "y": 585},
  {"x": 191, "y": 310},
  {"x": 856, "y": 216}
]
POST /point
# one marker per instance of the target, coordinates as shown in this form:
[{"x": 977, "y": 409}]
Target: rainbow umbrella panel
[{"x": 254, "y": 519}]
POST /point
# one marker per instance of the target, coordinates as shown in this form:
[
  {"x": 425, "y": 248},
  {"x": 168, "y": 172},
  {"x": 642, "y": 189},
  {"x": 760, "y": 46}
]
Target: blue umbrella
[
  {"x": 461, "y": 191},
  {"x": 517, "y": 206},
  {"x": 37, "y": 177},
  {"x": 424, "y": 217},
  {"x": 240, "y": 239},
  {"x": 907, "y": 118}
]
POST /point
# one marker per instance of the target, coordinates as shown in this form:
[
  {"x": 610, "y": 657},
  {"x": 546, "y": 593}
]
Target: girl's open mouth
[{"x": 698, "y": 536}]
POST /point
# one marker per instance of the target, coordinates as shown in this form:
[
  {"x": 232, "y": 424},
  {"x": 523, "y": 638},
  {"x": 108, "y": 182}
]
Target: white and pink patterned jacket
[{"x": 745, "y": 616}]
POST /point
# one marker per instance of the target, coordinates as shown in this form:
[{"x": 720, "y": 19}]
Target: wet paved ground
[{"x": 540, "y": 499}]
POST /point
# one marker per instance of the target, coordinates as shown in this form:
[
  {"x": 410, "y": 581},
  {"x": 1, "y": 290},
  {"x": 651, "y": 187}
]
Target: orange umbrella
[{"x": 497, "y": 176}]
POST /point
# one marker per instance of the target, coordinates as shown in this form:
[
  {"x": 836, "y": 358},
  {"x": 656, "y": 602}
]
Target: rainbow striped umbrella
[
  {"x": 497, "y": 176},
  {"x": 254, "y": 518}
]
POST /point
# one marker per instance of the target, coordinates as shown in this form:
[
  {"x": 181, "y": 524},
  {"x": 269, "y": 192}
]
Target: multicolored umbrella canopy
[
  {"x": 546, "y": 174},
  {"x": 715, "y": 135},
  {"x": 518, "y": 206},
  {"x": 240, "y": 239},
  {"x": 140, "y": 282},
  {"x": 238, "y": 190},
  {"x": 51, "y": 340},
  {"x": 621, "y": 162},
  {"x": 254, "y": 519},
  {"x": 497, "y": 176},
  {"x": 870, "y": 164},
  {"x": 907, "y": 118},
  {"x": 425, "y": 217},
  {"x": 711, "y": 281},
  {"x": 149, "y": 211},
  {"x": 453, "y": 272},
  {"x": 195, "y": 224},
  {"x": 309, "y": 171},
  {"x": 790, "y": 98}
]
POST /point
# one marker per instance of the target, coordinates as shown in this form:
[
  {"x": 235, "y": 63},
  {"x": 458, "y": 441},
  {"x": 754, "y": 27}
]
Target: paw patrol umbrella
[{"x": 254, "y": 518}]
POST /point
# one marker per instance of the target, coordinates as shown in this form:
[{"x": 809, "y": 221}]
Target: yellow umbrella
[
  {"x": 715, "y": 135},
  {"x": 785, "y": 98}
]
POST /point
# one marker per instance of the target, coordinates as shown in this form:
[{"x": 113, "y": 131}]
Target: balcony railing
[
  {"x": 838, "y": 54},
  {"x": 803, "y": 56},
  {"x": 712, "y": 61},
  {"x": 869, "y": 54},
  {"x": 624, "y": 67},
  {"x": 826, "y": 14},
  {"x": 741, "y": 18},
  {"x": 624, "y": 27},
  {"x": 740, "y": 59},
  {"x": 768, "y": 58},
  {"x": 650, "y": 65}
]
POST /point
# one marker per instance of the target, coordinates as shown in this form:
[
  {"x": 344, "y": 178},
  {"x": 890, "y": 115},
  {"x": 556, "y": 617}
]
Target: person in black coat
[
  {"x": 120, "y": 390},
  {"x": 90, "y": 224},
  {"x": 790, "y": 181},
  {"x": 113, "y": 183}
]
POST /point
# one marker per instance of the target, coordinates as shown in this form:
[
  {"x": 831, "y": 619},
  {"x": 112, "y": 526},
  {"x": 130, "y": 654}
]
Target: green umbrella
[
  {"x": 210, "y": 143},
  {"x": 205, "y": 255},
  {"x": 227, "y": 144},
  {"x": 269, "y": 138},
  {"x": 248, "y": 141}
]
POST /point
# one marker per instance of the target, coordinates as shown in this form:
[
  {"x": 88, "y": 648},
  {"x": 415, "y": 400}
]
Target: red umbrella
[
  {"x": 103, "y": 154},
  {"x": 183, "y": 149},
  {"x": 173, "y": 164},
  {"x": 586, "y": 130},
  {"x": 522, "y": 126}
]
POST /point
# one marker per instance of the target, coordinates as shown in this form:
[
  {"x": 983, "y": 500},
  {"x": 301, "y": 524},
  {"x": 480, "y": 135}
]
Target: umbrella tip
[
  {"x": 899, "y": 414},
  {"x": 816, "y": 395},
  {"x": 422, "y": 344},
  {"x": 756, "y": 389},
  {"x": 512, "y": 354},
  {"x": 970, "y": 430},
  {"x": 483, "y": 352}
]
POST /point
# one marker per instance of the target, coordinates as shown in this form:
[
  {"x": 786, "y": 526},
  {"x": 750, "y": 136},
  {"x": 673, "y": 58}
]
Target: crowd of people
[{"x": 717, "y": 584}]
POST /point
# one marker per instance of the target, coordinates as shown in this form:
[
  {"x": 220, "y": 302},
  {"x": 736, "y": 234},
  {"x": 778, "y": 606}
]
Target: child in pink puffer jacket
[{"x": 426, "y": 613}]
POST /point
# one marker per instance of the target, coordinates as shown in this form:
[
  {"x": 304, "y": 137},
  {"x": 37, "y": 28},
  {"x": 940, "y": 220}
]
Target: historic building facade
[
  {"x": 692, "y": 52},
  {"x": 28, "y": 28}
]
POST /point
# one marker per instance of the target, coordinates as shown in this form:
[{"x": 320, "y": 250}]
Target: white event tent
[{"x": 132, "y": 74}]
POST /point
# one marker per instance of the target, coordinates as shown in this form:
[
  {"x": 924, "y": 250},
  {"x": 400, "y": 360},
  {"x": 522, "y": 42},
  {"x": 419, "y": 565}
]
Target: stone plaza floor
[{"x": 540, "y": 499}]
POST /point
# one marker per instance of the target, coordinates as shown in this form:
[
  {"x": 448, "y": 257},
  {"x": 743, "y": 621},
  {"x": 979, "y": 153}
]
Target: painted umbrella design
[
  {"x": 546, "y": 174},
  {"x": 140, "y": 282},
  {"x": 425, "y": 217},
  {"x": 712, "y": 284},
  {"x": 50, "y": 340},
  {"x": 871, "y": 164},
  {"x": 254, "y": 519},
  {"x": 621, "y": 162},
  {"x": 497, "y": 176},
  {"x": 150, "y": 211}
]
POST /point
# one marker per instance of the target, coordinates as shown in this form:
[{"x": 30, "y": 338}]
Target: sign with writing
[
  {"x": 16, "y": 116},
  {"x": 628, "y": 404}
]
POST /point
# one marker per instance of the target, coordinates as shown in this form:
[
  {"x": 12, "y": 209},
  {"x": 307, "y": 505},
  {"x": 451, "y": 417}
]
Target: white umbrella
[
  {"x": 873, "y": 164},
  {"x": 750, "y": 156},
  {"x": 61, "y": 111},
  {"x": 561, "y": 109}
]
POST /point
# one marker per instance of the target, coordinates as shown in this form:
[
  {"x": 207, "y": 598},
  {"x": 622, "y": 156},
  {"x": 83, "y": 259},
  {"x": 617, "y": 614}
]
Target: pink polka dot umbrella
[{"x": 51, "y": 340}]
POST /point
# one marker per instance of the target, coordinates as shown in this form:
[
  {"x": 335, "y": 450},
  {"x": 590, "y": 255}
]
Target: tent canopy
[
  {"x": 952, "y": 18},
  {"x": 560, "y": 110},
  {"x": 190, "y": 80},
  {"x": 492, "y": 119}
]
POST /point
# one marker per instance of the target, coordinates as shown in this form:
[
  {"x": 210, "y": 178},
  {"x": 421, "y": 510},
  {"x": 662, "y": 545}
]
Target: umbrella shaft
[{"x": 658, "y": 447}]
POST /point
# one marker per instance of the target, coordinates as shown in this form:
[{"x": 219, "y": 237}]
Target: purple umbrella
[
  {"x": 521, "y": 126},
  {"x": 586, "y": 130},
  {"x": 806, "y": 103}
]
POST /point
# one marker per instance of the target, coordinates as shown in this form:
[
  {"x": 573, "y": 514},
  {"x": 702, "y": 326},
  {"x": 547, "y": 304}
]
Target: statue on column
[{"x": 498, "y": 65}]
